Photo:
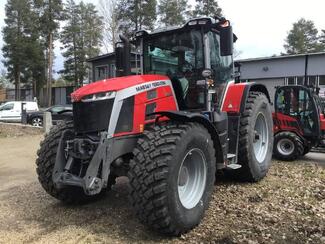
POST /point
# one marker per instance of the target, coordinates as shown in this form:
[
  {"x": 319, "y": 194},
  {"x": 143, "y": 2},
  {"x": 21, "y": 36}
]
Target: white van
[{"x": 11, "y": 111}]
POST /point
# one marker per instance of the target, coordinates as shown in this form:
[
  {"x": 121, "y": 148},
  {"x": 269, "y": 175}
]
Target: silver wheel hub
[
  {"x": 261, "y": 138},
  {"x": 192, "y": 178},
  {"x": 285, "y": 146},
  {"x": 37, "y": 122}
]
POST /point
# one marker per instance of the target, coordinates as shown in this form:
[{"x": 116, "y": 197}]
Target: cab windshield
[{"x": 180, "y": 56}]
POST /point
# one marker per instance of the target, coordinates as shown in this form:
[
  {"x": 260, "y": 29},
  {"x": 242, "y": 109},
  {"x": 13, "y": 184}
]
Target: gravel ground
[
  {"x": 18, "y": 130},
  {"x": 288, "y": 206}
]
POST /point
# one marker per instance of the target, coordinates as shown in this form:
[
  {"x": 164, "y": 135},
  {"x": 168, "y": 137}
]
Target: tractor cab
[
  {"x": 194, "y": 57},
  {"x": 298, "y": 104},
  {"x": 299, "y": 122}
]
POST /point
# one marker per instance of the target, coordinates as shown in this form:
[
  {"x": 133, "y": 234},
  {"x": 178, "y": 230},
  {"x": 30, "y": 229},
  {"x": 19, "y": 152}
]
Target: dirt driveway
[{"x": 286, "y": 207}]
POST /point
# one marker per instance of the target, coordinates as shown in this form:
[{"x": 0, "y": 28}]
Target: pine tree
[
  {"x": 302, "y": 38},
  {"x": 69, "y": 37},
  {"x": 208, "y": 8},
  {"x": 323, "y": 36},
  {"x": 3, "y": 79},
  {"x": 173, "y": 12},
  {"x": 92, "y": 26},
  {"x": 37, "y": 62},
  {"x": 108, "y": 12},
  {"x": 322, "y": 40},
  {"x": 81, "y": 38},
  {"x": 50, "y": 13},
  {"x": 18, "y": 39},
  {"x": 136, "y": 15}
]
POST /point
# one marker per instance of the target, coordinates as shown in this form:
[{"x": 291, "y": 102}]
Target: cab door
[
  {"x": 295, "y": 108},
  {"x": 8, "y": 112}
]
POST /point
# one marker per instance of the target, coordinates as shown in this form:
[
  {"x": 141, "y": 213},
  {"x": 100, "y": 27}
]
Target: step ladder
[{"x": 233, "y": 165}]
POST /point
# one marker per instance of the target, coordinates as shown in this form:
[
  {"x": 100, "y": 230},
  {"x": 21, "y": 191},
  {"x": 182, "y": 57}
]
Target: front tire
[
  {"x": 288, "y": 146},
  {"x": 255, "y": 138},
  {"x": 172, "y": 177}
]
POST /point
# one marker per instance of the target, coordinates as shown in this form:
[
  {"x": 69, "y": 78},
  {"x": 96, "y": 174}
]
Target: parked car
[
  {"x": 11, "y": 111},
  {"x": 59, "y": 113},
  {"x": 2, "y": 103}
]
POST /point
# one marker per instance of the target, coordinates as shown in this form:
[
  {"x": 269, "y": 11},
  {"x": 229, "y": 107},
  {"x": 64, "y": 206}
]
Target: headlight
[{"x": 98, "y": 96}]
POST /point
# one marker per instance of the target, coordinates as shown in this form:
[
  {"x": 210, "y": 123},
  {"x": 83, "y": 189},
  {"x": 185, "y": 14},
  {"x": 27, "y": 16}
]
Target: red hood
[{"x": 114, "y": 84}]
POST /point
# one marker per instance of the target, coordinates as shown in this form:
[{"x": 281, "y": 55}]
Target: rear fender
[
  {"x": 234, "y": 103},
  {"x": 322, "y": 123},
  {"x": 236, "y": 96}
]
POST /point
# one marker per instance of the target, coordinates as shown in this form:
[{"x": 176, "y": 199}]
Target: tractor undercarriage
[{"x": 87, "y": 161}]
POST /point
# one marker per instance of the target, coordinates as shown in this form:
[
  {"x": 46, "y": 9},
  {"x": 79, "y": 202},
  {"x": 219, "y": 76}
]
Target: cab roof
[{"x": 194, "y": 22}]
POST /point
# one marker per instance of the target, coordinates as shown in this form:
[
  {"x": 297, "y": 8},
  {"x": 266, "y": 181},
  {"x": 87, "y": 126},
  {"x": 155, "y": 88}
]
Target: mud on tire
[
  {"x": 45, "y": 164},
  {"x": 155, "y": 176}
]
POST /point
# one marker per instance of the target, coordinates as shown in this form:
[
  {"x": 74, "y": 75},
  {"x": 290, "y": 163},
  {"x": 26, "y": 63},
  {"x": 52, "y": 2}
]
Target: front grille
[{"x": 92, "y": 116}]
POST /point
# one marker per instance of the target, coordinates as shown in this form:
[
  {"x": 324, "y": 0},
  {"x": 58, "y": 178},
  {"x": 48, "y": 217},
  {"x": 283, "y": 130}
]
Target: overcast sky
[{"x": 261, "y": 25}]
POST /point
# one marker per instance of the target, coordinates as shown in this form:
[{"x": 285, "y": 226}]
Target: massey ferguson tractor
[
  {"x": 299, "y": 122},
  {"x": 168, "y": 129}
]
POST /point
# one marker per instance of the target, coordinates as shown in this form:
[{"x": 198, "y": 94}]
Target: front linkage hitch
[{"x": 96, "y": 177}]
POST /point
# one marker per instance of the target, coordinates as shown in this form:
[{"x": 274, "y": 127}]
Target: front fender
[{"x": 183, "y": 116}]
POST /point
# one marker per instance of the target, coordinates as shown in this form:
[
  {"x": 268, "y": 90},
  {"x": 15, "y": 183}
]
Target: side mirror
[
  {"x": 207, "y": 73},
  {"x": 226, "y": 41}
]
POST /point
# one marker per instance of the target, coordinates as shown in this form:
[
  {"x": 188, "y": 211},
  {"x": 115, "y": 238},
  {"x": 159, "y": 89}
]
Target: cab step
[
  {"x": 231, "y": 156},
  {"x": 233, "y": 166}
]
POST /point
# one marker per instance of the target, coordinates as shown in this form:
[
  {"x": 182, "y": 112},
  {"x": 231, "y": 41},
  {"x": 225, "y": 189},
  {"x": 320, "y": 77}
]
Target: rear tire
[
  {"x": 45, "y": 165},
  {"x": 255, "y": 138},
  {"x": 172, "y": 177},
  {"x": 288, "y": 146}
]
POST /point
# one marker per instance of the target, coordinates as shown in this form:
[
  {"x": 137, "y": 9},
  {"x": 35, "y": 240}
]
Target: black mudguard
[{"x": 215, "y": 122}]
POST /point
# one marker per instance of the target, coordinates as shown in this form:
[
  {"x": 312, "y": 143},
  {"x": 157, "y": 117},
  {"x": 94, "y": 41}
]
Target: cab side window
[
  {"x": 280, "y": 101},
  {"x": 305, "y": 102},
  {"x": 222, "y": 66}
]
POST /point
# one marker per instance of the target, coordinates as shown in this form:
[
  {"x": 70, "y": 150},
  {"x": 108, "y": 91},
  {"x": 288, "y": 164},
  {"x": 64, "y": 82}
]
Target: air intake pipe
[{"x": 123, "y": 57}]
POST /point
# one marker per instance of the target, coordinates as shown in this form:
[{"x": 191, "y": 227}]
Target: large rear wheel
[
  {"x": 172, "y": 177},
  {"x": 255, "y": 138}
]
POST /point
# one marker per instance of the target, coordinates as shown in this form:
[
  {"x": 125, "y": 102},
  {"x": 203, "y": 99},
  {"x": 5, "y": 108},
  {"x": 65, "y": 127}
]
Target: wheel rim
[
  {"x": 285, "y": 146},
  {"x": 37, "y": 122},
  {"x": 261, "y": 138},
  {"x": 192, "y": 178}
]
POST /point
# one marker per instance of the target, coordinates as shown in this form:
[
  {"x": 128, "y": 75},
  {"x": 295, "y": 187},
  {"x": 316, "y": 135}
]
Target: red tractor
[
  {"x": 167, "y": 129},
  {"x": 299, "y": 122}
]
